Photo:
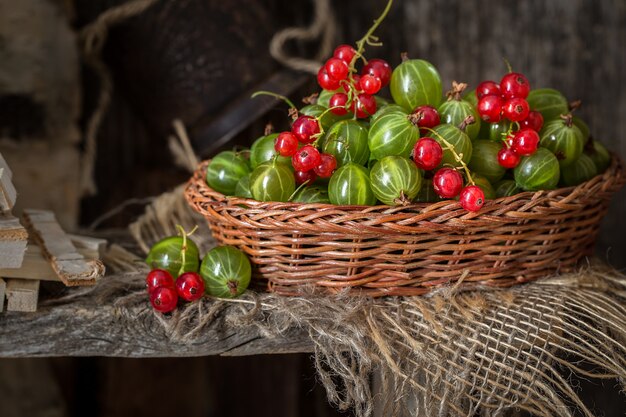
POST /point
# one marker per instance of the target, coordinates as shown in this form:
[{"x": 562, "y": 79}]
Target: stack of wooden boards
[{"x": 38, "y": 249}]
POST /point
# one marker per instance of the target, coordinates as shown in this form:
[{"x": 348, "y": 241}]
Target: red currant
[
  {"x": 370, "y": 84},
  {"x": 490, "y": 108},
  {"x": 305, "y": 176},
  {"x": 158, "y": 278},
  {"x": 427, "y": 153},
  {"x": 472, "y": 198},
  {"x": 487, "y": 88},
  {"x": 164, "y": 299},
  {"x": 306, "y": 158},
  {"x": 364, "y": 105},
  {"x": 337, "y": 69},
  {"x": 508, "y": 158},
  {"x": 427, "y": 117},
  {"x": 378, "y": 68},
  {"x": 447, "y": 183},
  {"x": 516, "y": 109},
  {"x": 534, "y": 121},
  {"x": 326, "y": 81},
  {"x": 286, "y": 144},
  {"x": 337, "y": 104},
  {"x": 305, "y": 128},
  {"x": 354, "y": 85},
  {"x": 327, "y": 165},
  {"x": 190, "y": 286},
  {"x": 514, "y": 84},
  {"x": 345, "y": 53},
  {"x": 525, "y": 142}
]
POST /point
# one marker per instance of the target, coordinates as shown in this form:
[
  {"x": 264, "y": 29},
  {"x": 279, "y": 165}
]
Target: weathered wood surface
[
  {"x": 87, "y": 325},
  {"x": 13, "y": 240},
  {"x": 22, "y": 295}
]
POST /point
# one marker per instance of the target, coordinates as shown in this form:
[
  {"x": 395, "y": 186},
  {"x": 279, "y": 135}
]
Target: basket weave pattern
[{"x": 409, "y": 250}]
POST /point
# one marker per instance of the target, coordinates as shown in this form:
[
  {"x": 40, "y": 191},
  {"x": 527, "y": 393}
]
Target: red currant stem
[
  {"x": 457, "y": 157},
  {"x": 277, "y": 96},
  {"x": 319, "y": 122},
  {"x": 508, "y": 65},
  {"x": 505, "y": 135},
  {"x": 367, "y": 38}
]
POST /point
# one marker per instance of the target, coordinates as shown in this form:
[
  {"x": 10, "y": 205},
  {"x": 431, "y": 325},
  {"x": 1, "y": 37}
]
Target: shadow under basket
[{"x": 410, "y": 250}]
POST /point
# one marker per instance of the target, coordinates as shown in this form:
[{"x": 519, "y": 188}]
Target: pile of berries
[{"x": 164, "y": 292}]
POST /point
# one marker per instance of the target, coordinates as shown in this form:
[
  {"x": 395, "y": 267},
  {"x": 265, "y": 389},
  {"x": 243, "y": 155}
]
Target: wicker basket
[{"x": 410, "y": 250}]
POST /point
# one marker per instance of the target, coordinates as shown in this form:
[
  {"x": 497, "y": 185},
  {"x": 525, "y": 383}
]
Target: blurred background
[{"x": 198, "y": 61}]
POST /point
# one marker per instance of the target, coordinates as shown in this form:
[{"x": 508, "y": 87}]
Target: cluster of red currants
[
  {"x": 308, "y": 161},
  {"x": 359, "y": 90},
  {"x": 508, "y": 100},
  {"x": 164, "y": 292}
]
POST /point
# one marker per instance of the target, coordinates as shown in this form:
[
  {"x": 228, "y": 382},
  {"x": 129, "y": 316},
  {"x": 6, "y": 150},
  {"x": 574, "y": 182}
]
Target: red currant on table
[
  {"x": 327, "y": 166},
  {"x": 345, "y": 53},
  {"x": 534, "y": 121},
  {"x": 447, "y": 183},
  {"x": 190, "y": 286},
  {"x": 516, "y": 109},
  {"x": 378, "y": 68},
  {"x": 286, "y": 144},
  {"x": 472, "y": 198},
  {"x": 326, "y": 81},
  {"x": 164, "y": 299},
  {"x": 514, "y": 84},
  {"x": 305, "y": 176},
  {"x": 490, "y": 108},
  {"x": 427, "y": 117},
  {"x": 306, "y": 158},
  {"x": 508, "y": 158},
  {"x": 159, "y": 278},
  {"x": 427, "y": 153},
  {"x": 525, "y": 142},
  {"x": 337, "y": 104},
  {"x": 364, "y": 105},
  {"x": 337, "y": 69},
  {"x": 305, "y": 128},
  {"x": 370, "y": 84},
  {"x": 487, "y": 88}
]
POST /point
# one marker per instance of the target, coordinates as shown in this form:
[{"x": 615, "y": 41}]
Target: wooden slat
[
  {"x": 71, "y": 267},
  {"x": 13, "y": 239},
  {"x": 89, "y": 247},
  {"x": 8, "y": 194},
  {"x": 22, "y": 295},
  {"x": 3, "y": 288}
]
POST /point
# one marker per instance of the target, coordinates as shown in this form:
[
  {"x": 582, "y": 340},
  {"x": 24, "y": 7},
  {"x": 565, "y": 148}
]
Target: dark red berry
[
  {"x": 427, "y": 153},
  {"x": 304, "y": 176},
  {"x": 508, "y": 158},
  {"x": 327, "y": 165},
  {"x": 326, "y": 81},
  {"x": 158, "y": 278},
  {"x": 534, "y": 121},
  {"x": 164, "y": 299},
  {"x": 487, "y": 88},
  {"x": 364, "y": 105},
  {"x": 286, "y": 144},
  {"x": 337, "y": 104},
  {"x": 525, "y": 142},
  {"x": 370, "y": 84},
  {"x": 447, "y": 183},
  {"x": 337, "y": 69},
  {"x": 190, "y": 286},
  {"x": 306, "y": 158},
  {"x": 472, "y": 198},
  {"x": 490, "y": 108},
  {"x": 345, "y": 53},
  {"x": 378, "y": 68},
  {"x": 305, "y": 128},
  {"x": 427, "y": 117},
  {"x": 514, "y": 84},
  {"x": 515, "y": 109}
]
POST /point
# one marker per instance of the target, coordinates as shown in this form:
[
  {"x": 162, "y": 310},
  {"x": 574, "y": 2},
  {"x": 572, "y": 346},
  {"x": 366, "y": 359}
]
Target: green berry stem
[
  {"x": 275, "y": 95},
  {"x": 508, "y": 65},
  {"x": 183, "y": 250},
  {"x": 457, "y": 156},
  {"x": 369, "y": 37}
]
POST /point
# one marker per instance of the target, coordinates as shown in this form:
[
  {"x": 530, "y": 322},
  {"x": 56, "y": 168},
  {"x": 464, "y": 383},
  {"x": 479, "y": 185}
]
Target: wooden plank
[
  {"x": 94, "y": 323},
  {"x": 22, "y": 295},
  {"x": 90, "y": 247},
  {"x": 13, "y": 240},
  {"x": 71, "y": 267},
  {"x": 3, "y": 288},
  {"x": 8, "y": 195}
]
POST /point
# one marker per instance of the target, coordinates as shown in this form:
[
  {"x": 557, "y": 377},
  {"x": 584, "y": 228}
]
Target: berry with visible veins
[
  {"x": 164, "y": 299},
  {"x": 286, "y": 144},
  {"x": 427, "y": 153},
  {"x": 305, "y": 129},
  {"x": 472, "y": 198},
  {"x": 447, "y": 183},
  {"x": 190, "y": 286}
]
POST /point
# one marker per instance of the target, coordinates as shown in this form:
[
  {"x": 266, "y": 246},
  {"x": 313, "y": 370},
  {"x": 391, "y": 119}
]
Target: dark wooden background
[{"x": 576, "y": 46}]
